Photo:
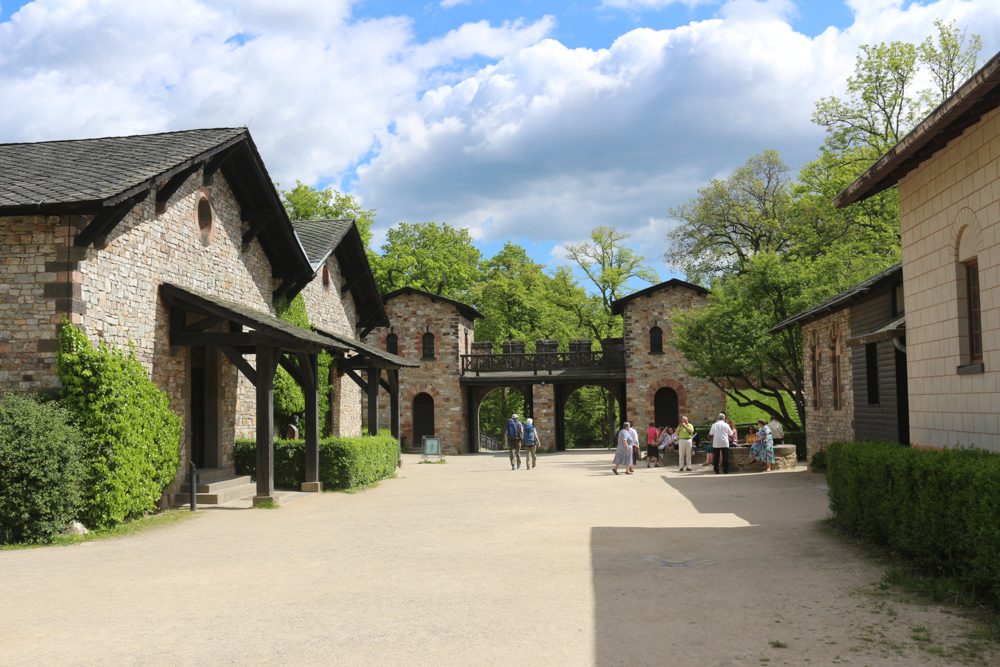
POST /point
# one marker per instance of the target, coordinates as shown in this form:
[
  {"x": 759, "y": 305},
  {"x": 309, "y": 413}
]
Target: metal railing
[
  {"x": 487, "y": 443},
  {"x": 545, "y": 362}
]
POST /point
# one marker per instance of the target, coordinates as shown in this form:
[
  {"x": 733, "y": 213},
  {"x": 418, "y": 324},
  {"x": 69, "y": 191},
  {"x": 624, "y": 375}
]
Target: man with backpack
[
  {"x": 530, "y": 444},
  {"x": 515, "y": 434}
]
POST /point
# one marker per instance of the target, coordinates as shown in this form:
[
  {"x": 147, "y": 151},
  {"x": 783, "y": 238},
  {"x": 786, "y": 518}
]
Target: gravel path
[{"x": 470, "y": 563}]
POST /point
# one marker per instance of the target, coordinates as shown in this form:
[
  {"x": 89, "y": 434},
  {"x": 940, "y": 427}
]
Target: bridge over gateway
[{"x": 642, "y": 370}]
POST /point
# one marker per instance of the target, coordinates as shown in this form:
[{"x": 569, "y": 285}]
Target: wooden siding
[{"x": 877, "y": 421}]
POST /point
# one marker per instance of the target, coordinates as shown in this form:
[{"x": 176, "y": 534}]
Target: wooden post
[
  {"x": 310, "y": 373},
  {"x": 266, "y": 356},
  {"x": 394, "y": 402},
  {"x": 373, "y": 379}
]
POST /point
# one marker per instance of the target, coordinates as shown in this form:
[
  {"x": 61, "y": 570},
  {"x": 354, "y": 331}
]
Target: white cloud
[
  {"x": 651, "y": 4},
  {"x": 448, "y": 4}
]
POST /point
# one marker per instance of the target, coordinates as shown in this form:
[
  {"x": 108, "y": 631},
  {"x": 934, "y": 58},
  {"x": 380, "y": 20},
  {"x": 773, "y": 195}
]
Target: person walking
[
  {"x": 515, "y": 434},
  {"x": 720, "y": 433},
  {"x": 530, "y": 444},
  {"x": 685, "y": 432},
  {"x": 636, "y": 452},
  {"x": 777, "y": 431},
  {"x": 623, "y": 453},
  {"x": 763, "y": 447},
  {"x": 652, "y": 445}
]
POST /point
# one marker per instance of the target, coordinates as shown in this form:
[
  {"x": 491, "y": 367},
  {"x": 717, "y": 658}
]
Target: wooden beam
[
  {"x": 249, "y": 372},
  {"x": 220, "y": 339},
  {"x": 309, "y": 369},
  {"x": 374, "y": 378},
  {"x": 265, "y": 423},
  {"x": 204, "y": 323},
  {"x": 393, "y": 402},
  {"x": 352, "y": 282},
  {"x": 107, "y": 220},
  {"x": 357, "y": 379},
  {"x": 292, "y": 370},
  {"x": 213, "y": 165},
  {"x": 258, "y": 219},
  {"x": 310, "y": 366},
  {"x": 164, "y": 194}
]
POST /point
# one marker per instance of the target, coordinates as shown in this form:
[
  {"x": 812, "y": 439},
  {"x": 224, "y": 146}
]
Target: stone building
[
  {"x": 437, "y": 331},
  {"x": 854, "y": 363},
  {"x": 642, "y": 370},
  {"x": 948, "y": 174},
  {"x": 178, "y": 244},
  {"x": 658, "y": 389}
]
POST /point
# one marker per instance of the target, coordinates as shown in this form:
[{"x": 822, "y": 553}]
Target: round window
[
  {"x": 326, "y": 279},
  {"x": 205, "y": 217}
]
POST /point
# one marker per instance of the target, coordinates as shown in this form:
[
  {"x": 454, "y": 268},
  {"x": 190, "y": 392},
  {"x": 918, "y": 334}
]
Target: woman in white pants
[{"x": 685, "y": 432}]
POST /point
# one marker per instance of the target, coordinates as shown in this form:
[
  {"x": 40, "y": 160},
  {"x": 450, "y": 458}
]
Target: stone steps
[{"x": 217, "y": 486}]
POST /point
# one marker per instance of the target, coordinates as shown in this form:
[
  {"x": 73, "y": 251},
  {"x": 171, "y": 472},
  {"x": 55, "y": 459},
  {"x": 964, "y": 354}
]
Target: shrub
[
  {"x": 131, "y": 435},
  {"x": 39, "y": 469},
  {"x": 797, "y": 438},
  {"x": 344, "y": 463},
  {"x": 937, "y": 508},
  {"x": 818, "y": 464}
]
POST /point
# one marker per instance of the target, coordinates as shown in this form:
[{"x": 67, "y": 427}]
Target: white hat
[
  {"x": 529, "y": 420},
  {"x": 514, "y": 416}
]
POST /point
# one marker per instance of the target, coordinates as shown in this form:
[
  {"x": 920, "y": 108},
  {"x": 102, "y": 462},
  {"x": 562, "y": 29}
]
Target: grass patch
[
  {"x": 751, "y": 413},
  {"x": 435, "y": 462},
  {"x": 267, "y": 505},
  {"x": 776, "y": 644},
  {"x": 148, "y": 522}
]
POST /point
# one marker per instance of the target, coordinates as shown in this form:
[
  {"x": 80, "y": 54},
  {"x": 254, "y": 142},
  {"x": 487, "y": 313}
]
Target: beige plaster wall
[{"x": 954, "y": 195}]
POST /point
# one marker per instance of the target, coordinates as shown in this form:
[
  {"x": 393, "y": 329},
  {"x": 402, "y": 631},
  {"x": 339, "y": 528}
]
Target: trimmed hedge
[
  {"x": 797, "y": 438},
  {"x": 344, "y": 463},
  {"x": 40, "y": 469},
  {"x": 132, "y": 437},
  {"x": 936, "y": 508}
]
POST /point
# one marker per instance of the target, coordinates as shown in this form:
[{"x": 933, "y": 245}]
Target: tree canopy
[
  {"x": 436, "y": 258},
  {"x": 304, "y": 202}
]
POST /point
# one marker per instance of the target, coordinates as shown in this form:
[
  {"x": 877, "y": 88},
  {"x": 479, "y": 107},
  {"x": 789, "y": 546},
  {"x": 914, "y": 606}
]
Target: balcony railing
[{"x": 542, "y": 362}]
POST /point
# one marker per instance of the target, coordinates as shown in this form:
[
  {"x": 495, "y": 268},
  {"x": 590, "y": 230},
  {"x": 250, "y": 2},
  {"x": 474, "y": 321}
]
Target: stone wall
[
  {"x": 647, "y": 373},
  {"x": 112, "y": 291},
  {"x": 413, "y": 315},
  {"x": 330, "y": 310},
  {"x": 949, "y": 215},
  {"x": 825, "y": 424}
]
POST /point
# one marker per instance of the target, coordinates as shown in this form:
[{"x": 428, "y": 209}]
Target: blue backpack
[
  {"x": 512, "y": 431},
  {"x": 529, "y": 434}
]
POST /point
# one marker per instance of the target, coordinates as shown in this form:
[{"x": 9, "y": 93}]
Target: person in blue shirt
[
  {"x": 530, "y": 444},
  {"x": 515, "y": 434}
]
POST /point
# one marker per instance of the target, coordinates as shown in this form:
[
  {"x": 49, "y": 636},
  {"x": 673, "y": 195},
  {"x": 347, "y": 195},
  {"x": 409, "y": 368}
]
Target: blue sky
[{"x": 527, "y": 120}]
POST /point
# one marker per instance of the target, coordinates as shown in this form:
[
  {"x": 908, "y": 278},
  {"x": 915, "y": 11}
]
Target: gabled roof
[
  {"x": 341, "y": 238},
  {"x": 618, "y": 306},
  {"x": 463, "y": 308},
  {"x": 376, "y": 355},
  {"x": 50, "y": 173},
  {"x": 893, "y": 274},
  {"x": 106, "y": 177},
  {"x": 894, "y": 328},
  {"x": 319, "y": 238},
  {"x": 977, "y": 96}
]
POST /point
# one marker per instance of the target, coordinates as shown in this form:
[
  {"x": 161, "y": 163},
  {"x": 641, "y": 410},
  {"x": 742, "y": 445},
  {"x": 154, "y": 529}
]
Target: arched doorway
[
  {"x": 665, "y": 407},
  {"x": 423, "y": 418}
]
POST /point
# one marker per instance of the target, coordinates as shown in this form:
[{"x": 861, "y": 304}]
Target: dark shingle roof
[
  {"x": 842, "y": 300},
  {"x": 319, "y": 238},
  {"x": 62, "y": 172},
  {"x": 618, "y": 306},
  {"x": 894, "y": 328}
]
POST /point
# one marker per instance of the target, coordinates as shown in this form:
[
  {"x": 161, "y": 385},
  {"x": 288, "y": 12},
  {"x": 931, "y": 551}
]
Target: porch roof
[{"x": 894, "y": 328}]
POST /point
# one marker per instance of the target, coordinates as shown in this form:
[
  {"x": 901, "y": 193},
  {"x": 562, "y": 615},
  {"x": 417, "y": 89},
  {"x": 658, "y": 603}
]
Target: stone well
[{"x": 739, "y": 459}]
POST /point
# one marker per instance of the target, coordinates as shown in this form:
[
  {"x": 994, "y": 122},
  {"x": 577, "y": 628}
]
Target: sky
[{"x": 530, "y": 121}]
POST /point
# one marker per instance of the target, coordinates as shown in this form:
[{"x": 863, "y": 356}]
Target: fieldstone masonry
[{"x": 824, "y": 424}]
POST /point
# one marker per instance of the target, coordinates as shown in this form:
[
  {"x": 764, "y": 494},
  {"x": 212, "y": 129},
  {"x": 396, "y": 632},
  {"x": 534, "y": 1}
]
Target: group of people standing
[{"x": 723, "y": 435}]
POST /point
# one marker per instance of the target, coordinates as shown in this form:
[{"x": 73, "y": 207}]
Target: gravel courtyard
[{"x": 470, "y": 563}]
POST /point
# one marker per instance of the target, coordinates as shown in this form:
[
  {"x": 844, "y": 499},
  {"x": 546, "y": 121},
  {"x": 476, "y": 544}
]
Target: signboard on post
[{"x": 431, "y": 448}]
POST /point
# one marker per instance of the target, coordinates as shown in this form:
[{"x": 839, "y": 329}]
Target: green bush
[
  {"x": 131, "y": 436},
  {"x": 797, "y": 438},
  {"x": 818, "y": 463},
  {"x": 344, "y": 463},
  {"x": 39, "y": 469},
  {"x": 938, "y": 509}
]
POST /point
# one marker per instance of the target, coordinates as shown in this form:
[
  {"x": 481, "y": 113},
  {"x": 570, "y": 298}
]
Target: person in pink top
[{"x": 652, "y": 445}]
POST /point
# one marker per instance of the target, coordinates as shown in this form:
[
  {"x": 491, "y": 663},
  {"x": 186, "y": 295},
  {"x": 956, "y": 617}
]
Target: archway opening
[
  {"x": 495, "y": 410},
  {"x": 423, "y": 418},
  {"x": 591, "y": 417},
  {"x": 666, "y": 410}
]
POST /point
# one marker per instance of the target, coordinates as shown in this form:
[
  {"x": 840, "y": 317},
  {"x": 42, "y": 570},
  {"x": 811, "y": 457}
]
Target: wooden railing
[
  {"x": 487, "y": 443},
  {"x": 544, "y": 362}
]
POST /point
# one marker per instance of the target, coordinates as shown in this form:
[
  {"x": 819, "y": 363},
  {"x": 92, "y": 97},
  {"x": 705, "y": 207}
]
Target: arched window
[
  {"x": 392, "y": 344},
  {"x": 423, "y": 417},
  {"x": 326, "y": 279},
  {"x": 666, "y": 411},
  {"x": 205, "y": 218},
  {"x": 656, "y": 340},
  {"x": 428, "y": 341}
]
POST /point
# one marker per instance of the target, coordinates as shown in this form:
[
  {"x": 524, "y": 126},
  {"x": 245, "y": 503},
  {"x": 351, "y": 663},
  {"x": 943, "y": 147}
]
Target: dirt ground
[{"x": 471, "y": 563}]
